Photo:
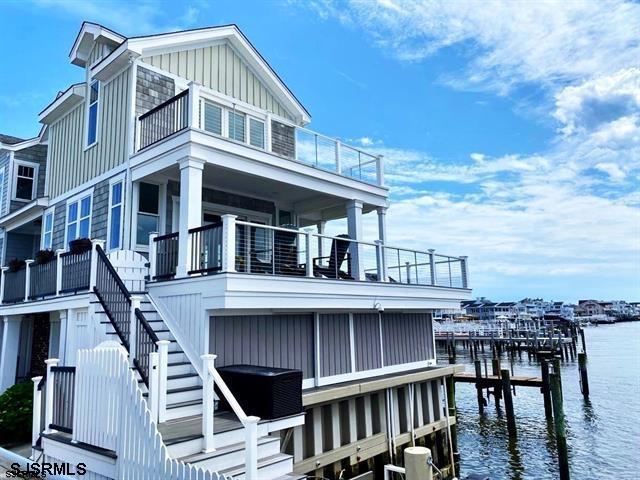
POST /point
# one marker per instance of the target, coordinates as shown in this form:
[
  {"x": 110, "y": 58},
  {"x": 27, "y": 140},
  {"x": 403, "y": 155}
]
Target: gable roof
[
  {"x": 64, "y": 102},
  {"x": 150, "y": 45},
  {"x": 90, "y": 33},
  {"x": 15, "y": 144},
  {"x": 9, "y": 140}
]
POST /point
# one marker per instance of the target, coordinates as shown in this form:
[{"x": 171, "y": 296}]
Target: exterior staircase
[{"x": 182, "y": 429}]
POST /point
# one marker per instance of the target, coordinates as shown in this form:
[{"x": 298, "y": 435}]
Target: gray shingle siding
[
  {"x": 36, "y": 154},
  {"x": 21, "y": 246},
  {"x": 218, "y": 197},
  {"x": 58, "y": 225},
  {"x": 152, "y": 89},
  {"x": 99, "y": 210}
]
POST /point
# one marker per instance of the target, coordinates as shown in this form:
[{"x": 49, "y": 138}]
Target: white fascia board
[
  {"x": 29, "y": 212},
  {"x": 88, "y": 35},
  {"x": 114, "y": 62},
  {"x": 155, "y": 45},
  {"x": 15, "y": 147},
  {"x": 63, "y": 104},
  {"x": 63, "y": 302},
  {"x": 240, "y": 157}
]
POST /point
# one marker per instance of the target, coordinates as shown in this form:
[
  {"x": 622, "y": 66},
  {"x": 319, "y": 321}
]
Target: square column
[
  {"x": 10, "y": 349},
  {"x": 190, "y": 209},
  {"x": 354, "y": 225},
  {"x": 382, "y": 224}
]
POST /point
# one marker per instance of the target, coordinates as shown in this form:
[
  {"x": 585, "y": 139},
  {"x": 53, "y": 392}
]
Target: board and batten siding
[
  {"x": 280, "y": 340},
  {"x": 69, "y": 164},
  {"x": 406, "y": 338},
  {"x": 335, "y": 348},
  {"x": 220, "y": 68},
  {"x": 98, "y": 52},
  {"x": 366, "y": 332}
]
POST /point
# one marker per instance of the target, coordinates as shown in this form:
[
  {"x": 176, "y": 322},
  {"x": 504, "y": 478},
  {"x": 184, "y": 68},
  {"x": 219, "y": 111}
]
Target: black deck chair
[
  {"x": 286, "y": 254},
  {"x": 339, "y": 249}
]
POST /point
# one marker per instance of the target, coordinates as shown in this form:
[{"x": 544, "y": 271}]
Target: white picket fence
[{"x": 110, "y": 412}]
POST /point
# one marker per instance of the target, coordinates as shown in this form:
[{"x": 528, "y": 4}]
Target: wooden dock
[{"x": 493, "y": 381}]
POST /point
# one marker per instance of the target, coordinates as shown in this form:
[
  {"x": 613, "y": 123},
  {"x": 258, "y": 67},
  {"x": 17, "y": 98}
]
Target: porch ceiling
[{"x": 310, "y": 205}]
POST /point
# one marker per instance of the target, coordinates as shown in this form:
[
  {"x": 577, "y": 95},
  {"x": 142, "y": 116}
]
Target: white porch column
[
  {"x": 354, "y": 224},
  {"x": 54, "y": 335},
  {"x": 10, "y": 349},
  {"x": 382, "y": 224},
  {"x": 321, "y": 225},
  {"x": 190, "y": 209},
  {"x": 64, "y": 330}
]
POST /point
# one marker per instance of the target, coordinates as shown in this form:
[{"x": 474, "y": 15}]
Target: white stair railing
[
  {"x": 110, "y": 412},
  {"x": 211, "y": 377}
]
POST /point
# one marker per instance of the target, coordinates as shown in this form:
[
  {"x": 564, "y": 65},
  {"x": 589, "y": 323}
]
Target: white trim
[
  {"x": 52, "y": 212},
  {"x": 77, "y": 199},
  {"x": 219, "y": 209},
  {"x": 73, "y": 94},
  {"x": 24, "y": 214},
  {"x": 89, "y": 184},
  {"x": 88, "y": 105},
  {"x": 15, "y": 147},
  {"x": 14, "y": 180},
  {"x": 162, "y": 212},
  {"x": 352, "y": 343},
  {"x": 346, "y": 377},
  {"x": 3, "y": 178},
  {"x": 95, "y": 31},
  {"x": 112, "y": 181}
]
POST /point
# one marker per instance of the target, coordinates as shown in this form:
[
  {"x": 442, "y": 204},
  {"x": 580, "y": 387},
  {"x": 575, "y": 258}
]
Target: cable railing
[{"x": 263, "y": 249}]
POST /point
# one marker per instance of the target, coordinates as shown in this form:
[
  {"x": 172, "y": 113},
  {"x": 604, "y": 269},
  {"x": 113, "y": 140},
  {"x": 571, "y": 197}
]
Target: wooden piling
[
  {"x": 478, "y": 368},
  {"x": 584, "y": 343},
  {"x": 508, "y": 402},
  {"x": 559, "y": 426},
  {"x": 495, "y": 370},
  {"x": 584, "y": 378},
  {"x": 546, "y": 389}
]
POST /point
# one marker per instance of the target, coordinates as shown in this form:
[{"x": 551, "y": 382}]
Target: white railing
[
  {"x": 206, "y": 110},
  {"x": 110, "y": 412},
  {"x": 247, "y": 247},
  {"x": 212, "y": 378}
]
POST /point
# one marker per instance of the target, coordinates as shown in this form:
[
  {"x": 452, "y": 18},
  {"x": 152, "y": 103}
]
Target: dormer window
[
  {"x": 25, "y": 180},
  {"x": 92, "y": 113}
]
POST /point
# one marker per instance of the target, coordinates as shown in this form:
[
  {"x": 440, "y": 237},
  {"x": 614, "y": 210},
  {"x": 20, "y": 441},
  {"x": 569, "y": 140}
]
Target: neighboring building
[
  {"x": 487, "y": 311},
  {"x": 186, "y": 159},
  {"x": 590, "y": 308}
]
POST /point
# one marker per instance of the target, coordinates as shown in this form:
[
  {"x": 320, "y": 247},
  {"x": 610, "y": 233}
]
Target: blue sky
[{"x": 511, "y": 130}]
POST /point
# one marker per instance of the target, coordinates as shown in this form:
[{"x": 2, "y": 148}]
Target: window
[
  {"x": 47, "y": 230},
  {"x": 26, "y": 174},
  {"x": 236, "y": 126},
  {"x": 148, "y": 212},
  {"x": 79, "y": 218},
  {"x": 92, "y": 114},
  {"x": 213, "y": 118},
  {"x": 256, "y": 133},
  {"x": 115, "y": 214}
]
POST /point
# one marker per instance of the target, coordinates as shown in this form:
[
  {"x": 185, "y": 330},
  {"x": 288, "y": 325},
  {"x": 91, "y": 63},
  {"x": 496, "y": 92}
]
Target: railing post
[
  {"x": 380, "y": 170},
  {"x": 27, "y": 279},
  {"x": 93, "y": 273},
  {"x": 36, "y": 414},
  {"x": 251, "y": 447},
  {"x": 381, "y": 264},
  {"x": 463, "y": 271},
  {"x": 432, "y": 266},
  {"x": 59, "y": 252},
  {"x": 2, "y": 280},
  {"x": 194, "y": 105},
  {"x": 208, "y": 363},
  {"x": 153, "y": 253},
  {"x": 338, "y": 156},
  {"x": 267, "y": 133},
  {"x": 309, "y": 257},
  {"x": 48, "y": 408},
  {"x": 228, "y": 243},
  {"x": 154, "y": 392},
  {"x": 407, "y": 266},
  {"x": 133, "y": 330},
  {"x": 163, "y": 368}
]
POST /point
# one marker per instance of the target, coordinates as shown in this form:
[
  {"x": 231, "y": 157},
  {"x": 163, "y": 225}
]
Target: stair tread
[
  {"x": 182, "y": 375},
  {"x": 262, "y": 462},
  {"x": 187, "y": 403},
  {"x": 175, "y": 364},
  {"x": 234, "y": 447}
]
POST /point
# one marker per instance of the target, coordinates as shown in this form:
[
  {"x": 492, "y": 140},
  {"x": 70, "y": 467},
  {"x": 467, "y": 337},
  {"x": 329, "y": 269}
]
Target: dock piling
[
  {"x": 584, "y": 378},
  {"x": 546, "y": 389},
  {"x": 559, "y": 426},
  {"x": 478, "y": 368},
  {"x": 508, "y": 402}
]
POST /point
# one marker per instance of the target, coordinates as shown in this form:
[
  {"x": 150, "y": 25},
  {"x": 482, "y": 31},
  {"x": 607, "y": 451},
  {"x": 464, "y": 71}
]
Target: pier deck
[{"x": 492, "y": 381}]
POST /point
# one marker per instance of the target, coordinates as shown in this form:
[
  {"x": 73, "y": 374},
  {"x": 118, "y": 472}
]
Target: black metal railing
[
  {"x": 14, "y": 285},
  {"x": 43, "y": 279},
  {"x": 113, "y": 296},
  {"x": 43, "y": 406},
  {"x": 166, "y": 119},
  {"x": 166, "y": 256},
  {"x": 146, "y": 340},
  {"x": 63, "y": 391},
  {"x": 76, "y": 271},
  {"x": 206, "y": 248}
]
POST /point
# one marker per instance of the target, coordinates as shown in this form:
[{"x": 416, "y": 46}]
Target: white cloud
[
  {"x": 126, "y": 17},
  {"x": 611, "y": 169}
]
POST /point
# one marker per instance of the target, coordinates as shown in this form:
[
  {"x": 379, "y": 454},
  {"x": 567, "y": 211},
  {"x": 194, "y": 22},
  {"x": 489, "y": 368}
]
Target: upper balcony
[{"x": 201, "y": 122}]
